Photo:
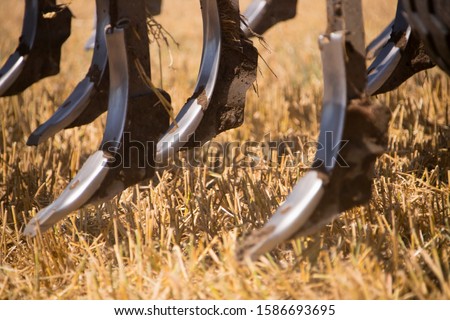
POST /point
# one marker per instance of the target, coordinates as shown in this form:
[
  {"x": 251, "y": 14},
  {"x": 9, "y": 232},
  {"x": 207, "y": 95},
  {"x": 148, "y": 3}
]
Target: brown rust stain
[
  {"x": 173, "y": 129},
  {"x": 200, "y": 97},
  {"x": 285, "y": 209},
  {"x": 74, "y": 184}
]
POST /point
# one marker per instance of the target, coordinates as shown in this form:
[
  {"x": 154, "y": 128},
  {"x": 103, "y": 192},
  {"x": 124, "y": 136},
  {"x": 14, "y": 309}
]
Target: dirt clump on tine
[
  {"x": 237, "y": 72},
  {"x": 414, "y": 59},
  {"x": 365, "y": 138}
]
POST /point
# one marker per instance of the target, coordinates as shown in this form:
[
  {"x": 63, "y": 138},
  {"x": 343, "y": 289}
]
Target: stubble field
[{"x": 175, "y": 237}]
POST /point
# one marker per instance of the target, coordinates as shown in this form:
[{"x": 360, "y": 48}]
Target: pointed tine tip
[
  {"x": 288, "y": 219},
  {"x": 33, "y": 140},
  {"x": 31, "y": 229},
  {"x": 35, "y": 226},
  {"x": 76, "y": 195},
  {"x": 43, "y": 221}
]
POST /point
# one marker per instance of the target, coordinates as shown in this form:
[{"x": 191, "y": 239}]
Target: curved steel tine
[
  {"x": 76, "y": 194},
  {"x": 306, "y": 195},
  {"x": 15, "y": 63},
  {"x": 192, "y": 112},
  {"x": 374, "y": 48},
  {"x": 95, "y": 169},
  {"x": 78, "y": 100},
  {"x": 389, "y": 57},
  {"x": 253, "y": 15},
  {"x": 261, "y": 15}
]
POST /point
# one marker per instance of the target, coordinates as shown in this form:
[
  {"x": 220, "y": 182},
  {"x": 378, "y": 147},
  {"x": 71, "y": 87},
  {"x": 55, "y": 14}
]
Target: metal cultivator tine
[
  {"x": 192, "y": 112},
  {"x": 377, "y": 44},
  {"x": 46, "y": 27},
  {"x": 15, "y": 63},
  {"x": 388, "y": 58},
  {"x": 261, "y": 15},
  {"x": 308, "y": 192},
  {"x": 401, "y": 57},
  {"x": 90, "y": 177},
  {"x": 79, "y": 99},
  {"x": 315, "y": 200}
]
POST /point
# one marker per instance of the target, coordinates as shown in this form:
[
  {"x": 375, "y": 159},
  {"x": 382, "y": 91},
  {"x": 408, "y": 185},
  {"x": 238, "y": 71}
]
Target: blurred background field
[{"x": 175, "y": 237}]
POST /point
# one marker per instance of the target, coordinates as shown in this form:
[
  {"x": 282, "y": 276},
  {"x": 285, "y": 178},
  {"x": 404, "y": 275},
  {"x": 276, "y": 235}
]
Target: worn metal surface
[
  {"x": 389, "y": 56},
  {"x": 332, "y": 186},
  {"x": 350, "y": 185},
  {"x": 16, "y": 62},
  {"x": 76, "y": 194},
  {"x": 375, "y": 46},
  {"x": 95, "y": 169},
  {"x": 307, "y": 194},
  {"x": 288, "y": 218}
]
